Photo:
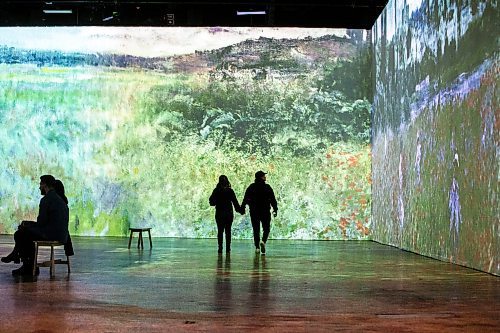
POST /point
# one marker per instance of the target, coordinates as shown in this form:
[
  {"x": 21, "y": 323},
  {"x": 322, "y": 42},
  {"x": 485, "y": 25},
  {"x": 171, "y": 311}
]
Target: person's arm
[
  {"x": 273, "y": 201},
  {"x": 43, "y": 212},
  {"x": 236, "y": 205},
  {"x": 213, "y": 198},
  {"x": 247, "y": 199}
]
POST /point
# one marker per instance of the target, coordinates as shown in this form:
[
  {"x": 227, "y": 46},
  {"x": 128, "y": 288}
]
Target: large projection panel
[
  {"x": 436, "y": 130},
  {"x": 140, "y": 122}
]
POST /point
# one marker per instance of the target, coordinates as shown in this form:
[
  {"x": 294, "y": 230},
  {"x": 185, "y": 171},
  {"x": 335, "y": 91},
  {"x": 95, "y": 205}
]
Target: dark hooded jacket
[
  {"x": 259, "y": 196},
  {"x": 53, "y": 218},
  {"x": 224, "y": 199}
]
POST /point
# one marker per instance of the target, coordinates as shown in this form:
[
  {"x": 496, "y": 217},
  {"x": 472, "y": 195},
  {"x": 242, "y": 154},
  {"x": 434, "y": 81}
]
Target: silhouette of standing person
[
  {"x": 223, "y": 198},
  {"x": 259, "y": 196}
]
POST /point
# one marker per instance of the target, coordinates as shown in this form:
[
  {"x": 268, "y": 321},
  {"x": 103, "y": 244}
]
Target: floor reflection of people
[
  {"x": 223, "y": 288},
  {"x": 259, "y": 285}
]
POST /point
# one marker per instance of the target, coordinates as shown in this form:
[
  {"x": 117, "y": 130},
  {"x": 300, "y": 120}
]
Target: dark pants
[
  {"x": 26, "y": 233},
  {"x": 257, "y": 218},
  {"x": 224, "y": 223},
  {"x": 24, "y": 238}
]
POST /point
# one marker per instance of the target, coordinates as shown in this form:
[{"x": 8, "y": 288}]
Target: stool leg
[
  {"x": 130, "y": 239},
  {"x": 150, "y": 242},
  {"x": 35, "y": 259},
  {"x": 141, "y": 240},
  {"x": 52, "y": 264}
]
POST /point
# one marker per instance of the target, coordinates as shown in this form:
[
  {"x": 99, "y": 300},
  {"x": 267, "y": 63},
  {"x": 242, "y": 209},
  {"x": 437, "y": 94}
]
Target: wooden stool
[
  {"x": 52, "y": 262},
  {"x": 140, "y": 242}
]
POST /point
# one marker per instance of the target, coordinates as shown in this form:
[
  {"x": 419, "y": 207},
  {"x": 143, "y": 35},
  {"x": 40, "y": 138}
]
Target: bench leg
[
  {"x": 52, "y": 264},
  {"x": 35, "y": 260},
  {"x": 69, "y": 269},
  {"x": 130, "y": 239},
  {"x": 150, "y": 242},
  {"x": 141, "y": 242}
]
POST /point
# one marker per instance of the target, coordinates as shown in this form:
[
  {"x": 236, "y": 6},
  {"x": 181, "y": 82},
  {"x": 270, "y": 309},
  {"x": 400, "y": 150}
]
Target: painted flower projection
[
  {"x": 140, "y": 122},
  {"x": 436, "y": 130}
]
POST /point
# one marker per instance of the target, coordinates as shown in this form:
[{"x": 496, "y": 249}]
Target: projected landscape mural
[
  {"x": 140, "y": 122},
  {"x": 436, "y": 130}
]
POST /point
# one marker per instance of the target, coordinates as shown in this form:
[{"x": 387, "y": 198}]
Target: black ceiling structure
[{"x": 354, "y": 14}]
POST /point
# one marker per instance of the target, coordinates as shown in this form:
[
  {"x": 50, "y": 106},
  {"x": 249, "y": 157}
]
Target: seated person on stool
[{"x": 51, "y": 225}]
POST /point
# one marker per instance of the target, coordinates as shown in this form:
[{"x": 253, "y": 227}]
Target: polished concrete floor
[{"x": 182, "y": 285}]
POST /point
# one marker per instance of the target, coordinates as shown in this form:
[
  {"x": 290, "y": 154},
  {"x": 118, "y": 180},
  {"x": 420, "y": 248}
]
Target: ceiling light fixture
[
  {"x": 115, "y": 14},
  {"x": 58, "y": 11},
  {"x": 251, "y": 12}
]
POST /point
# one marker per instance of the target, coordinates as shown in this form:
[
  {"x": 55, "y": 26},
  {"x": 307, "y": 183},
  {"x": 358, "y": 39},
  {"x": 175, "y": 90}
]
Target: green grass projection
[{"x": 138, "y": 147}]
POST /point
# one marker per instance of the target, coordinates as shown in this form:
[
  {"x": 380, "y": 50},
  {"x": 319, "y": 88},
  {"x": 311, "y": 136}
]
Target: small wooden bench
[
  {"x": 52, "y": 262},
  {"x": 140, "y": 242}
]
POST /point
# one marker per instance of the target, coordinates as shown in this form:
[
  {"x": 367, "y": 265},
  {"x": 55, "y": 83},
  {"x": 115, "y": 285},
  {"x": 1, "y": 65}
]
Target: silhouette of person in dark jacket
[
  {"x": 223, "y": 198},
  {"x": 260, "y": 197},
  {"x": 59, "y": 188},
  {"x": 51, "y": 224}
]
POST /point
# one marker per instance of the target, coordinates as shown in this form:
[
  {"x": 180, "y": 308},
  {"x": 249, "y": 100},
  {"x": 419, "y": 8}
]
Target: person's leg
[
  {"x": 266, "y": 226},
  {"x": 256, "y": 228},
  {"x": 220, "y": 232},
  {"x": 21, "y": 239},
  {"x": 13, "y": 256},
  {"x": 24, "y": 242},
  {"x": 227, "y": 229}
]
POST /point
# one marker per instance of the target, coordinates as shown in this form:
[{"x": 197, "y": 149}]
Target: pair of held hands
[{"x": 242, "y": 211}]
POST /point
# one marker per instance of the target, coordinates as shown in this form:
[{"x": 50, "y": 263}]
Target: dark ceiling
[{"x": 278, "y": 13}]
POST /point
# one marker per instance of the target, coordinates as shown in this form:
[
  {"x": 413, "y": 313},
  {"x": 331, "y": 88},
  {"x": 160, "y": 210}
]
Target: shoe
[
  {"x": 257, "y": 250},
  {"x": 13, "y": 257},
  {"x": 23, "y": 270},
  {"x": 262, "y": 247},
  {"x": 219, "y": 251}
]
